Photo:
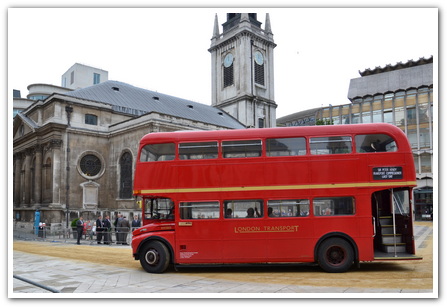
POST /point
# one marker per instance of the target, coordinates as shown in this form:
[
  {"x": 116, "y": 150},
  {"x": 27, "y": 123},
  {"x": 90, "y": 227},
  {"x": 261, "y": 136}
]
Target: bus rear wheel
[
  {"x": 335, "y": 255},
  {"x": 154, "y": 257}
]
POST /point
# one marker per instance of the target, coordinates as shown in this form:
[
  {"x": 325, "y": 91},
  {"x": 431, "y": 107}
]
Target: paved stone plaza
[{"x": 80, "y": 278}]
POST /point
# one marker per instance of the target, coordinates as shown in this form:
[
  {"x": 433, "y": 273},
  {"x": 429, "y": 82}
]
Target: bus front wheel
[
  {"x": 335, "y": 255},
  {"x": 154, "y": 257}
]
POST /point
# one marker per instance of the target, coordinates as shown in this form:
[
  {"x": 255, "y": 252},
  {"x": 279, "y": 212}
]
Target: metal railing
[{"x": 63, "y": 234}]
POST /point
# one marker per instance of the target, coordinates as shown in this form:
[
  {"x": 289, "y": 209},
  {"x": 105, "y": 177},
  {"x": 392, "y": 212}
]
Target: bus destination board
[{"x": 387, "y": 173}]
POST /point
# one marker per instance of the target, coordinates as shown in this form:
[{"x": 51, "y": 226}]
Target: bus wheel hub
[{"x": 152, "y": 257}]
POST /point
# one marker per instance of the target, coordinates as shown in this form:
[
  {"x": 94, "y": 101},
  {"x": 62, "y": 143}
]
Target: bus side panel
[
  {"x": 242, "y": 172},
  {"x": 155, "y": 175},
  {"x": 289, "y": 171},
  {"x": 290, "y": 239},
  {"x": 198, "y": 174},
  {"x": 243, "y": 240},
  {"x": 336, "y": 169},
  {"x": 198, "y": 241}
]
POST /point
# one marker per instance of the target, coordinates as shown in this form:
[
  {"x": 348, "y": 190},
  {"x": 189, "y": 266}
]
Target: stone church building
[{"x": 74, "y": 153}]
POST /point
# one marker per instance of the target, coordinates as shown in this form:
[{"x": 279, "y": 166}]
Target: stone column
[
  {"x": 56, "y": 148},
  {"x": 17, "y": 176},
  {"x": 27, "y": 177},
  {"x": 38, "y": 175}
]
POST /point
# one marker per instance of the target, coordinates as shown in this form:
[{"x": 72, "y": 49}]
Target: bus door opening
[{"x": 393, "y": 223}]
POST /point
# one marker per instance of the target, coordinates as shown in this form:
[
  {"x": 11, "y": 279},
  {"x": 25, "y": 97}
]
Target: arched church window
[{"x": 126, "y": 175}]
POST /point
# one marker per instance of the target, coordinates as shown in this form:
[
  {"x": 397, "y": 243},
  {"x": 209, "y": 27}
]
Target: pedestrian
[
  {"x": 89, "y": 230},
  {"x": 80, "y": 228},
  {"x": 40, "y": 231},
  {"x": 136, "y": 223},
  {"x": 86, "y": 228},
  {"x": 117, "y": 225},
  {"x": 107, "y": 229},
  {"x": 99, "y": 229},
  {"x": 123, "y": 227}
]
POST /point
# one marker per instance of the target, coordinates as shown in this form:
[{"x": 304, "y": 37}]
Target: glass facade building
[{"x": 401, "y": 95}]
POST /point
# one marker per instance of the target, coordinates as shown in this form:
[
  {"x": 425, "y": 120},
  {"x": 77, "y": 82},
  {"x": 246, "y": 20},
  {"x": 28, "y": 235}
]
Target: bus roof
[{"x": 325, "y": 130}]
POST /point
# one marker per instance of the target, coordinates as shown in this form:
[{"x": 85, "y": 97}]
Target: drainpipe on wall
[{"x": 69, "y": 110}]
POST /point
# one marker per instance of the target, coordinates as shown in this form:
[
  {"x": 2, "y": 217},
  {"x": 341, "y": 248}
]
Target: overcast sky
[{"x": 318, "y": 49}]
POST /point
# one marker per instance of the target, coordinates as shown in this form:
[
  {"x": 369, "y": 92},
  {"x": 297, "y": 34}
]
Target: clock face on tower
[
  {"x": 259, "y": 58},
  {"x": 228, "y": 60}
]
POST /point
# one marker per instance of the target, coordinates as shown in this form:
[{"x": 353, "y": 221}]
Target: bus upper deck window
[
  {"x": 157, "y": 152},
  {"x": 375, "y": 143},
  {"x": 242, "y": 149},
  {"x": 286, "y": 147},
  {"x": 330, "y": 145},
  {"x": 198, "y": 150}
]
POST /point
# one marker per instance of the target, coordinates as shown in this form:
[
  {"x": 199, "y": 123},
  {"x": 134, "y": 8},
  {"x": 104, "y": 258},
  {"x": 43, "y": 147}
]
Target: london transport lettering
[{"x": 254, "y": 229}]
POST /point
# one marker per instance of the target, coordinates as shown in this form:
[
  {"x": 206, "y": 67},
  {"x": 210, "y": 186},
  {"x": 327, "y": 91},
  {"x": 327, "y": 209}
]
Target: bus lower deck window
[
  {"x": 334, "y": 206},
  {"x": 288, "y": 208},
  {"x": 199, "y": 210},
  {"x": 243, "y": 208}
]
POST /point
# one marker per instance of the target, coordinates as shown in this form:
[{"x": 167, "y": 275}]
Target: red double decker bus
[{"x": 332, "y": 195}]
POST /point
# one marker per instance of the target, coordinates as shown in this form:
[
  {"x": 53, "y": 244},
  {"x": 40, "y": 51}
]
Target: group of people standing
[
  {"x": 122, "y": 229},
  {"x": 103, "y": 230}
]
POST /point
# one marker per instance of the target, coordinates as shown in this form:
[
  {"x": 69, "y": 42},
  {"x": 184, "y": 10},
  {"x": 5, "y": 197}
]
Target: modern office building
[{"x": 400, "y": 94}]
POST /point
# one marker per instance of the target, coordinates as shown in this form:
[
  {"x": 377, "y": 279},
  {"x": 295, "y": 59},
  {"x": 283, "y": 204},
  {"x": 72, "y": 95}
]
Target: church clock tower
[{"x": 242, "y": 69}]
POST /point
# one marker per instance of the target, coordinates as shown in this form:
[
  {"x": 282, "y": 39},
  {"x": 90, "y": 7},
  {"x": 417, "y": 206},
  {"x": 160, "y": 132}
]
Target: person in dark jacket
[
  {"x": 99, "y": 229},
  {"x": 123, "y": 227},
  {"x": 136, "y": 223},
  {"x": 79, "y": 229},
  {"x": 107, "y": 226}
]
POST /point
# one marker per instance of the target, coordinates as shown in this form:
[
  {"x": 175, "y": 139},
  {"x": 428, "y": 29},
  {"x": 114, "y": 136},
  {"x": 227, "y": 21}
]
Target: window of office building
[
  {"x": 377, "y": 110},
  {"x": 96, "y": 78},
  {"x": 345, "y": 114},
  {"x": 426, "y": 163},
  {"x": 355, "y": 113},
  {"x": 424, "y": 113},
  {"x": 366, "y": 113},
  {"x": 388, "y": 116},
  {"x": 411, "y": 116},
  {"x": 413, "y": 138},
  {"x": 336, "y": 115},
  {"x": 399, "y": 114},
  {"x": 424, "y": 137}
]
